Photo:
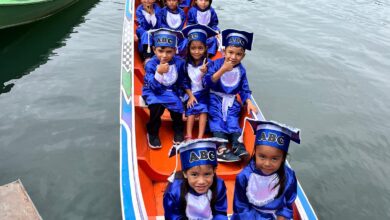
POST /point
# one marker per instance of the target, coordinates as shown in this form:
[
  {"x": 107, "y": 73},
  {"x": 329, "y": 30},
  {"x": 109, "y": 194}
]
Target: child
[
  {"x": 198, "y": 96},
  {"x": 147, "y": 19},
  {"x": 198, "y": 193},
  {"x": 203, "y": 13},
  {"x": 226, "y": 78},
  {"x": 266, "y": 188},
  {"x": 172, "y": 17},
  {"x": 162, "y": 83}
]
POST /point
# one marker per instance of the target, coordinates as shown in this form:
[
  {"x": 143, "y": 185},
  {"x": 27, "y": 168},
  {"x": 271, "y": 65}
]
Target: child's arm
[
  {"x": 191, "y": 100},
  {"x": 214, "y": 20},
  {"x": 245, "y": 94},
  {"x": 162, "y": 19},
  {"x": 140, "y": 19},
  {"x": 191, "y": 16},
  {"x": 220, "y": 207},
  {"x": 172, "y": 208},
  {"x": 290, "y": 195},
  {"x": 241, "y": 204}
]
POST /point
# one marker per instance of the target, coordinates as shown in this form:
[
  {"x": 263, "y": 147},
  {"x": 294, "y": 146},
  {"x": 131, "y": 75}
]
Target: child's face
[
  {"x": 172, "y": 4},
  {"x": 146, "y": 3},
  {"x": 197, "y": 50},
  {"x": 234, "y": 54},
  {"x": 268, "y": 159},
  {"x": 202, "y": 4},
  {"x": 164, "y": 54},
  {"x": 200, "y": 178}
]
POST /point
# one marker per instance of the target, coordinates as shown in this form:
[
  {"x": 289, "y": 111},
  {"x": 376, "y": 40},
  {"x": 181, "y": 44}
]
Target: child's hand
[
  {"x": 135, "y": 38},
  {"x": 149, "y": 9},
  {"x": 227, "y": 66},
  {"x": 203, "y": 68},
  {"x": 191, "y": 101},
  {"x": 163, "y": 68},
  {"x": 250, "y": 107}
]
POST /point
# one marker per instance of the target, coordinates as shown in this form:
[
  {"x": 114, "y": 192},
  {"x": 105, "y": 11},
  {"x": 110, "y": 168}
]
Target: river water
[{"x": 322, "y": 66}]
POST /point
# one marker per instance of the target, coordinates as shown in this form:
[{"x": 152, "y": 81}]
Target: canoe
[
  {"x": 19, "y": 12},
  {"x": 143, "y": 171}
]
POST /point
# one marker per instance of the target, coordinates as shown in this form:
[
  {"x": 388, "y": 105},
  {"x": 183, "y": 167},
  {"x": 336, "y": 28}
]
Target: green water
[{"x": 322, "y": 66}]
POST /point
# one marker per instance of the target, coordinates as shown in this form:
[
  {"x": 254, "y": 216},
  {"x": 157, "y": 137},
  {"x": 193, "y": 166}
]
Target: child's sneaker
[
  {"x": 240, "y": 151},
  {"x": 178, "y": 138},
  {"x": 154, "y": 141},
  {"x": 225, "y": 155}
]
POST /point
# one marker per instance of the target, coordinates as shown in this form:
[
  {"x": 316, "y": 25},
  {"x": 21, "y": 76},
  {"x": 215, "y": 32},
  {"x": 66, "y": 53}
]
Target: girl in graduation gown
[
  {"x": 203, "y": 13},
  {"x": 198, "y": 96},
  {"x": 266, "y": 188},
  {"x": 198, "y": 193},
  {"x": 174, "y": 18}
]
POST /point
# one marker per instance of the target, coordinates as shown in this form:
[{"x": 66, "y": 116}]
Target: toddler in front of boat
[
  {"x": 197, "y": 98},
  {"x": 163, "y": 83},
  {"x": 196, "y": 192},
  {"x": 174, "y": 18},
  {"x": 203, "y": 13},
  {"x": 266, "y": 188},
  {"x": 147, "y": 18},
  {"x": 226, "y": 78}
]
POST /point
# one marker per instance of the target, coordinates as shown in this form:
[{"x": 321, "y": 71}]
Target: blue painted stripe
[
  {"x": 129, "y": 10},
  {"x": 128, "y": 208},
  {"x": 306, "y": 205}
]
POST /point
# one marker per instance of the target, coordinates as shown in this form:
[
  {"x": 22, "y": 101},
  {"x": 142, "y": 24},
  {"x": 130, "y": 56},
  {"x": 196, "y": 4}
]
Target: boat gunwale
[{"x": 27, "y": 2}]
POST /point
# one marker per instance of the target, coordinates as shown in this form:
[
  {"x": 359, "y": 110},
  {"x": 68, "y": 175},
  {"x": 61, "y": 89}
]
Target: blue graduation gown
[
  {"x": 231, "y": 84},
  {"x": 168, "y": 90},
  {"x": 174, "y": 20},
  {"x": 185, "y": 4},
  {"x": 254, "y": 199},
  {"x": 144, "y": 25},
  {"x": 194, "y": 80},
  {"x": 206, "y": 17},
  {"x": 174, "y": 210}
]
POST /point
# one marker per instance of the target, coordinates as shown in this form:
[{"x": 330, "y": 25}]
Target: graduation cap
[
  {"x": 164, "y": 37},
  {"x": 198, "y": 32},
  {"x": 231, "y": 37},
  {"x": 195, "y": 153},
  {"x": 274, "y": 134}
]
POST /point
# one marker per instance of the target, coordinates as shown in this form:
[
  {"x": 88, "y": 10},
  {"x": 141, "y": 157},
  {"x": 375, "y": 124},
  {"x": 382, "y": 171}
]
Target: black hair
[
  {"x": 211, "y": 1},
  {"x": 189, "y": 57},
  {"x": 280, "y": 172},
  {"x": 185, "y": 188}
]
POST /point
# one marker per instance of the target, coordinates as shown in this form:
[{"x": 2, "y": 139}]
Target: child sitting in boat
[
  {"x": 174, "y": 18},
  {"x": 226, "y": 78},
  {"x": 147, "y": 19},
  {"x": 197, "y": 192},
  {"x": 198, "y": 96},
  {"x": 203, "y": 13},
  {"x": 266, "y": 188},
  {"x": 164, "y": 75}
]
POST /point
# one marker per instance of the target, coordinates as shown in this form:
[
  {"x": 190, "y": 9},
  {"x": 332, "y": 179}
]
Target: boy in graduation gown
[
  {"x": 163, "y": 82},
  {"x": 226, "y": 78}
]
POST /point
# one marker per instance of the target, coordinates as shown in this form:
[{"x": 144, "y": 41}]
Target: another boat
[
  {"x": 18, "y": 12},
  {"x": 144, "y": 171}
]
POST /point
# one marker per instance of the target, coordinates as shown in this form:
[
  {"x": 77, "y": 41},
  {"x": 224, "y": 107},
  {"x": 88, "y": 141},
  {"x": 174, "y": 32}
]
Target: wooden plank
[{"x": 15, "y": 203}]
